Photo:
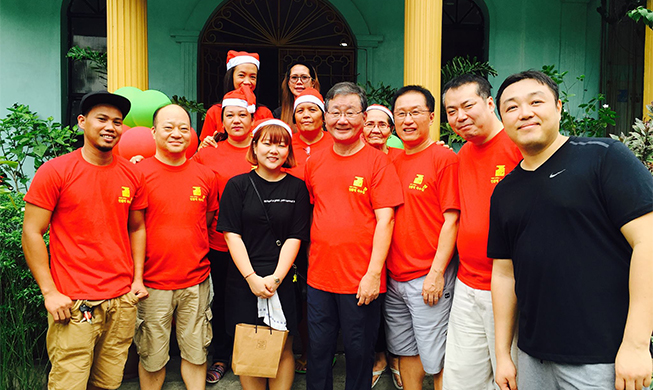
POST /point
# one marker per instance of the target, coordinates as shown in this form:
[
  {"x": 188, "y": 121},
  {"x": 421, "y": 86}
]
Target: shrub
[
  {"x": 594, "y": 115},
  {"x": 640, "y": 139},
  {"x": 23, "y": 320},
  {"x": 24, "y": 134}
]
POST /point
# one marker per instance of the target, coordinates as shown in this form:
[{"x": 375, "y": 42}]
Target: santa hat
[
  {"x": 309, "y": 95},
  {"x": 384, "y": 109},
  {"x": 271, "y": 122},
  {"x": 235, "y": 58},
  {"x": 241, "y": 97}
]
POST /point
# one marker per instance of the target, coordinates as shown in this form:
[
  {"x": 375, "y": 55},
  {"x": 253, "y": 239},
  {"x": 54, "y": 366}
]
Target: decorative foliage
[
  {"x": 379, "y": 95},
  {"x": 594, "y": 115},
  {"x": 23, "y": 320},
  {"x": 642, "y": 14},
  {"x": 458, "y": 66},
  {"x": 23, "y": 134},
  {"x": 449, "y": 137},
  {"x": 97, "y": 60},
  {"x": 190, "y": 105},
  {"x": 640, "y": 139}
]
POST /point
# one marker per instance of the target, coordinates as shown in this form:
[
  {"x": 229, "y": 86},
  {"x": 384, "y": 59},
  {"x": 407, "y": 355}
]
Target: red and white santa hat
[
  {"x": 241, "y": 97},
  {"x": 235, "y": 58},
  {"x": 271, "y": 122},
  {"x": 384, "y": 109},
  {"x": 309, "y": 95}
]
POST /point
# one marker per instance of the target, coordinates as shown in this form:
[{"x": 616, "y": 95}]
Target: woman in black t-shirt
[{"x": 262, "y": 246}]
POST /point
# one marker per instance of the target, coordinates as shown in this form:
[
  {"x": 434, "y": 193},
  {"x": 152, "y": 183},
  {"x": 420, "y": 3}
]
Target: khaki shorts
[
  {"x": 94, "y": 353},
  {"x": 191, "y": 310}
]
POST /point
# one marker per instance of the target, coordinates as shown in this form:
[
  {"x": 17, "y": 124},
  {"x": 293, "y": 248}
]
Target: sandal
[
  {"x": 215, "y": 372},
  {"x": 300, "y": 366},
  {"x": 396, "y": 379},
  {"x": 376, "y": 375}
]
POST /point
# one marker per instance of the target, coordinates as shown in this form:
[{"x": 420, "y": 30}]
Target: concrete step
[{"x": 231, "y": 382}]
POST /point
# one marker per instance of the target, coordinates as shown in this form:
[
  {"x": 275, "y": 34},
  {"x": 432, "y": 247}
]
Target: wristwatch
[{"x": 276, "y": 280}]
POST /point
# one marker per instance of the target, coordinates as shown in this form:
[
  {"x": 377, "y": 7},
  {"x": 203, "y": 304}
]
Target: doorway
[{"x": 281, "y": 32}]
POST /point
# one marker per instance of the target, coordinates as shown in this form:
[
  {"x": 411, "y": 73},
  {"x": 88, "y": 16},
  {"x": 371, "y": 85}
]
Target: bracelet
[{"x": 249, "y": 275}]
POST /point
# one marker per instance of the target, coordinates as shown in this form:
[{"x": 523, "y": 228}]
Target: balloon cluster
[{"x": 137, "y": 136}]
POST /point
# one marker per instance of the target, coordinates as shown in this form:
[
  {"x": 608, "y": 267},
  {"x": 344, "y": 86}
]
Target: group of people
[{"x": 552, "y": 235}]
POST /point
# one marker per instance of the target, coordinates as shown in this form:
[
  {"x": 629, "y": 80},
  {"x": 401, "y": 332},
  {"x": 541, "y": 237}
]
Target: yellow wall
[
  {"x": 422, "y": 50},
  {"x": 127, "y": 44},
  {"x": 648, "y": 65}
]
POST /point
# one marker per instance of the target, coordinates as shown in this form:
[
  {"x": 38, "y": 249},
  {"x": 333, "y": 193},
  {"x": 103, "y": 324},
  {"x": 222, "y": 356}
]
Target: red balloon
[
  {"x": 137, "y": 141},
  {"x": 194, "y": 143},
  {"x": 116, "y": 149}
]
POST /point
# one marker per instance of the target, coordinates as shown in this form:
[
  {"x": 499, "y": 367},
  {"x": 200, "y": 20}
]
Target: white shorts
[{"x": 470, "y": 360}]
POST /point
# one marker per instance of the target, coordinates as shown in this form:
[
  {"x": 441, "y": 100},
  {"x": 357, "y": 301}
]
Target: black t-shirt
[
  {"x": 560, "y": 226},
  {"x": 288, "y": 206}
]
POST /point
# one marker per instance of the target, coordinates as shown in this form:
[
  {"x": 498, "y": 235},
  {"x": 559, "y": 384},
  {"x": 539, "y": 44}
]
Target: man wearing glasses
[
  {"x": 421, "y": 282},
  {"x": 354, "y": 189}
]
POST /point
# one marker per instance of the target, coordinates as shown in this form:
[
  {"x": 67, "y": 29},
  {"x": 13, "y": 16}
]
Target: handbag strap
[
  {"x": 267, "y": 302},
  {"x": 278, "y": 242}
]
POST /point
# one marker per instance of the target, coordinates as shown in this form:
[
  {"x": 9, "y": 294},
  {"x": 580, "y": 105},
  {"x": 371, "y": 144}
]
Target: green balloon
[
  {"x": 395, "y": 142},
  {"x": 131, "y": 93},
  {"x": 147, "y": 102}
]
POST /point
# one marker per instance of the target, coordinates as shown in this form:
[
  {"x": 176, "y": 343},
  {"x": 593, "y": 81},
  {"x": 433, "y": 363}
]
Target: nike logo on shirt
[{"x": 551, "y": 176}]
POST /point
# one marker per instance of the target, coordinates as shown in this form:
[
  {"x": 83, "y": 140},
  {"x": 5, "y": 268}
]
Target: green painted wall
[
  {"x": 385, "y": 19},
  {"x": 165, "y": 55},
  {"x": 169, "y": 22},
  {"x": 522, "y": 35},
  {"x": 30, "y": 56},
  {"x": 525, "y": 35}
]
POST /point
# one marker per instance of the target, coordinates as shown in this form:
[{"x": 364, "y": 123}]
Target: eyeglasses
[
  {"x": 382, "y": 125},
  {"x": 401, "y": 115},
  {"x": 305, "y": 79},
  {"x": 348, "y": 114}
]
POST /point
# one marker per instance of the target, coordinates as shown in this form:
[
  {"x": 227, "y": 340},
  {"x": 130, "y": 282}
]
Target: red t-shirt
[
  {"x": 90, "y": 253},
  {"x": 480, "y": 169},
  {"x": 213, "y": 120},
  {"x": 177, "y": 239},
  {"x": 226, "y": 161},
  {"x": 301, "y": 150},
  {"x": 429, "y": 181},
  {"x": 345, "y": 192},
  {"x": 394, "y": 152}
]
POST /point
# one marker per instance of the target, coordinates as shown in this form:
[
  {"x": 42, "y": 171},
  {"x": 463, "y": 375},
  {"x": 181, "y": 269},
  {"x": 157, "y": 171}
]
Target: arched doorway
[
  {"x": 281, "y": 31},
  {"x": 86, "y": 26},
  {"x": 464, "y": 30}
]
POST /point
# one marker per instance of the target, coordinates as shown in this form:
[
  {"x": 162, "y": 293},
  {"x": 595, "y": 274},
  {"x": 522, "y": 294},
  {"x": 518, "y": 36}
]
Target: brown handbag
[{"x": 257, "y": 350}]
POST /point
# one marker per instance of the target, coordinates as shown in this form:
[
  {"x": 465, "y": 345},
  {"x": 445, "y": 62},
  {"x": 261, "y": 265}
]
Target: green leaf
[
  {"x": 40, "y": 150},
  {"x": 12, "y": 164}
]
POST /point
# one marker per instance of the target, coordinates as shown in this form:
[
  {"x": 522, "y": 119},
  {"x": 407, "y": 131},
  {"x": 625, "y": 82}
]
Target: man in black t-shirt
[{"x": 571, "y": 232}]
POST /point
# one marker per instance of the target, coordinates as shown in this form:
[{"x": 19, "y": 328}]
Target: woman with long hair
[
  {"x": 299, "y": 76},
  {"x": 226, "y": 161},
  {"x": 242, "y": 69},
  {"x": 264, "y": 215}
]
